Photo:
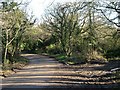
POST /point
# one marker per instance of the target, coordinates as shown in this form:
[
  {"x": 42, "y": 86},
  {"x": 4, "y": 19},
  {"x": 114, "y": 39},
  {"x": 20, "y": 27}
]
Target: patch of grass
[
  {"x": 61, "y": 58},
  {"x": 75, "y": 60},
  {"x": 19, "y": 62},
  {"x": 7, "y": 67},
  {"x": 69, "y": 60},
  {"x": 115, "y": 58}
]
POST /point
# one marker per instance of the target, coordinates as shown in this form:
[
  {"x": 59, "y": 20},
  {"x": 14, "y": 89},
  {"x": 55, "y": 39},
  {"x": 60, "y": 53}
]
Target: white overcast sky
[{"x": 37, "y": 7}]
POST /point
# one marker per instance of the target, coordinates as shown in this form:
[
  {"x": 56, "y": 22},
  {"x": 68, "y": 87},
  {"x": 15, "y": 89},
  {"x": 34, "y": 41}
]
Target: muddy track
[{"x": 43, "y": 72}]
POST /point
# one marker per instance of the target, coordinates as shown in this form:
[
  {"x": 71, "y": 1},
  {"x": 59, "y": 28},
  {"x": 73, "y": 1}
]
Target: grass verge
[
  {"x": 67, "y": 60},
  {"x": 19, "y": 63}
]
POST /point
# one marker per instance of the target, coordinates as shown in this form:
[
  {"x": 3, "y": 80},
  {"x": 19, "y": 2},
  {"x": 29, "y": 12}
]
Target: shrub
[
  {"x": 53, "y": 49},
  {"x": 113, "y": 53},
  {"x": 95, "y": 56}
]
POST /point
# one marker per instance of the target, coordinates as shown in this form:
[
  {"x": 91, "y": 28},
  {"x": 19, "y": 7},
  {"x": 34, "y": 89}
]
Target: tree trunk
[
  {"x": 6, "y": 49},
  {"x": 5, "y": 56}
]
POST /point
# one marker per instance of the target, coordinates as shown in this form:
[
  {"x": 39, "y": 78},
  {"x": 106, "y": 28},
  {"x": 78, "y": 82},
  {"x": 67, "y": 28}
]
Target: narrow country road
[
  {"x": 35, "y": 75},
  {"x": 44, "y": 72}
]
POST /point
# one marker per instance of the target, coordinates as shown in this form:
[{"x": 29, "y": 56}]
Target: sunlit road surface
[
  {"x": 39, "y": 73},
  {"x": 43, "y": 72}
]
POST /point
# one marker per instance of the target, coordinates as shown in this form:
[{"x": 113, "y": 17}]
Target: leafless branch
[{"x": 51, "y": 4}]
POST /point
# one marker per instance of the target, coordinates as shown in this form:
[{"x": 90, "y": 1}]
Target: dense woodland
[{"x": 74, "y": 33}]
